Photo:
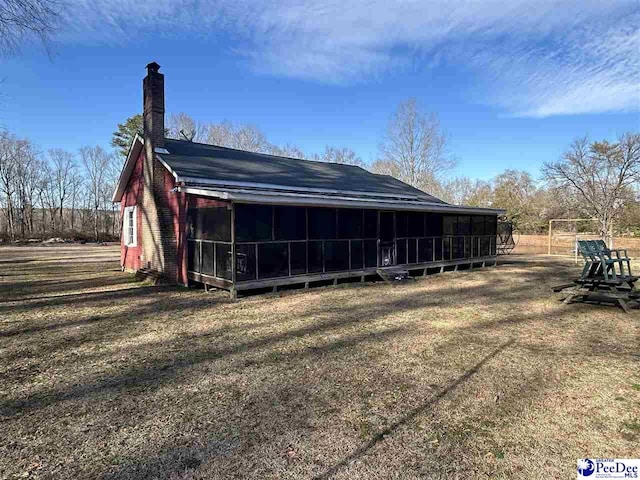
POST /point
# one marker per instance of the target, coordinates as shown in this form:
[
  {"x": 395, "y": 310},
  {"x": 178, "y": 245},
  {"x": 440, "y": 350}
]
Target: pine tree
[{"x": 125, "y": 134}]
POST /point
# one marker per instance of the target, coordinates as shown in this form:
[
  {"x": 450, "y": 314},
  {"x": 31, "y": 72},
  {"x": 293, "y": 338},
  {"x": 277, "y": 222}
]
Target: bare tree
[
  {"x": 227, "y": 134},
  {"x": 243, "y": 137},
  {"x": 113, "y": 174},
  {"x": 96, "y": 162},
  {"x": 24, "y": 19},
  {"x": 516, "y": 192},
  {"x": 12, "y": 151},
  {"x": 27, "y": 180},
  {"x": 181, "y": 126},
  {"x": 414, "y": 149},
  {"x": 341, "y": 155},
  {"x": 48, "y": 200},
  {"x": 289, "y": 151},
  {"x": 601, "y": 174},
  {"x": 77, "y": 184},
  {"x": 466, "y": 191},
  {"x": 62, "y": 168}
]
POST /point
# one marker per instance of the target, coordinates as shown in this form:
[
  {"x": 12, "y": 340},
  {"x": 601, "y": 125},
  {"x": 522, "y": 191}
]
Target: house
[{"x": 239, "y": 220}]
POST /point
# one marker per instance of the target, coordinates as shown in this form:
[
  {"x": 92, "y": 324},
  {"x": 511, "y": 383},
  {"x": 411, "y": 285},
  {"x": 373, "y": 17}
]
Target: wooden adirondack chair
[
  {"x": 621, "y": 256},
  {"x": 596, "y": 263},
  {"x": 599, "y": 280}
]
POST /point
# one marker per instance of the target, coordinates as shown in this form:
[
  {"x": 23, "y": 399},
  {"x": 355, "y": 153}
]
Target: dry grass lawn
[{"x": 475, "y": 374}]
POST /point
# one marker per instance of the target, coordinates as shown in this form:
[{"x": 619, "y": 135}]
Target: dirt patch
[{"x": 481, "y": 373}]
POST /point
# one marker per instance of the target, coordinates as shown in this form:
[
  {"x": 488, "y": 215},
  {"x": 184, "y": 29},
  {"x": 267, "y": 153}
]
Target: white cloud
[{"x": 531, "y": 58}]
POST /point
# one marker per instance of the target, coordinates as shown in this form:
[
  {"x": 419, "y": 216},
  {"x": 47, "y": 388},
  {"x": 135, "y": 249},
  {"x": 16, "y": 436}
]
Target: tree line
[
  {"x": 56, "y": 193},
  {"x": 68, "y": 194}
]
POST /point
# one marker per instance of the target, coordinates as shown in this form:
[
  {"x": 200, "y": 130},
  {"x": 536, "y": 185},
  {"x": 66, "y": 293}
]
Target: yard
[{"x": 473, "y": 374}]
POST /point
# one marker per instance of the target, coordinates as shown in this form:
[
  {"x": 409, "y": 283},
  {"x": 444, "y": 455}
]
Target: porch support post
[{"x": 233, "y": 245}]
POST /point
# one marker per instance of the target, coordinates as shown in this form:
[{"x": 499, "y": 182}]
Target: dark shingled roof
[{"x": 199, "y": 161}]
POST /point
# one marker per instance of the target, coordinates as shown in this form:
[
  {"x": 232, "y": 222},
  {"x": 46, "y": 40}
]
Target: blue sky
[{"x": 512, "y": 83}]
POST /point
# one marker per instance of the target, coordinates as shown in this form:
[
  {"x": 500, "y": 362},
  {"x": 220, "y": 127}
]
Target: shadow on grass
[
  {"x": 379, "y": 436},
  {"x": 332, "y": 336},
  {"x": 157, "y": 371},
  {"x": 17, "y": 291},
  {"x": 149, "y": 301},
  {"x": 124, "y": 321}
]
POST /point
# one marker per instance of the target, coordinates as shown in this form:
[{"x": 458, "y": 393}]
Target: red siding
[
  {"x": 177, "y": 202},
  {"x": 204, "y": 202},
  {"x": 130, "y": 256}
]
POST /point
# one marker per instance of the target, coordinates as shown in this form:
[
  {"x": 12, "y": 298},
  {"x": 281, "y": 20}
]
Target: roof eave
[{"x": 308, "y": 199}]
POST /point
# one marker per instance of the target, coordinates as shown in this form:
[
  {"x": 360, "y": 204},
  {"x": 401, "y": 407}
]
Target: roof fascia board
[
  {"x": 125, "y": 173},
  {"x": 317, "y": 200}
]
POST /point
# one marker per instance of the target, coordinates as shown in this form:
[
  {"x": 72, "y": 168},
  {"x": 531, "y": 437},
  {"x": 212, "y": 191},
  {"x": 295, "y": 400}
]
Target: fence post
[
  {"x": 550, "y": 236},
  {"x": 575, "y": 250}
]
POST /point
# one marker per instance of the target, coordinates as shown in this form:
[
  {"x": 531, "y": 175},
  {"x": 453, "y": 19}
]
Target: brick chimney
[
  {"x": 153, "y": 105},
  {"x": 159, "y": 246}
]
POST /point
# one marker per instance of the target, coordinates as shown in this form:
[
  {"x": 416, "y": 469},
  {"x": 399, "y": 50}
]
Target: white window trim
[{"x": 125, "y": 229}]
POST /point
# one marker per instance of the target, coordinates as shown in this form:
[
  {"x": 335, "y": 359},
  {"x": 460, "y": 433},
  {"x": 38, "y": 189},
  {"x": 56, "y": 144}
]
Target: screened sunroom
[{"x": 246, "y": 246}]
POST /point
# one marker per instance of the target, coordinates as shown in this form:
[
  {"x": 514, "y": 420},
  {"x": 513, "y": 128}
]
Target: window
[
  {"x": 401, "y": 224},
  {"x": 370, "y": 253},
  {"x": 223, "y": 261},
  {"x": 412, "y": 250},
  {"x": 446, "y": 248},
  {"x": 434, "y": 225},
  {"x": 438, "y": 248},
  {"x": 450, "y": 225},
  {"x": 475, "y": 247},
  {"x": 425, "y": 250},
  {"x": 464, "y": 225},
  {"x": 130, "y": 227},
  {"x": 370, "y": 224},
  {"x": 386, "y": 226},
  {"x": 349, "y": 223},
  {"x": 457, "y": 247},
  {"x": 273, "y": 260},
  {"x": 467, "y": 247},
  {"x": 315, "y": 257},
  {"x": 322, "y": 223},
  {"x": 477, "y": 225},
  {"x": 415, "y": 227},
  {"x": 193, "y": 256},
  {"x": 401, "y": 250},
  {"x": 357, "y": 254},
  {"x": 207, "y": 267},
  {"x": 298, "y": 252},
  {"x": 490, "y": 225},
  {"x": 253, "y": 222},
  {"x": 245, "y": 262},
  {"x": 209, "y": 223},
  {"x": 484, "y": 246},
  {"x": 336, "y": 255},
  {"x": 290, "y": 223}
]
